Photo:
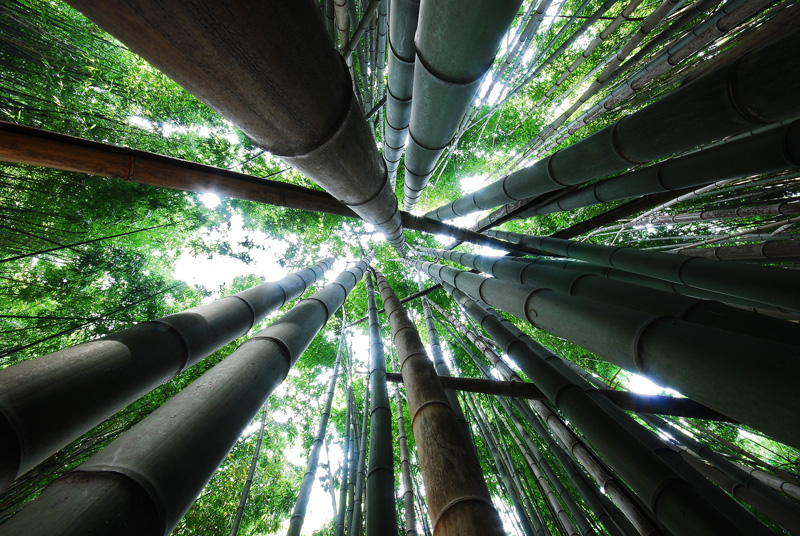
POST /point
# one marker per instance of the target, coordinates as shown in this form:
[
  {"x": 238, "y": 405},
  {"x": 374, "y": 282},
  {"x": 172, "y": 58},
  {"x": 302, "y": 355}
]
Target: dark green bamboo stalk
[
  {"x": 576, "y": 448},
  {"x": 695, "y": 114},
  {"x": 355, "y": 441},
  {"x": 380, "y": 503},
  {"x": 535, "y": 274},
  {"x": 503, "y": 471},
  {"x": 237, "y": 520},
  {"x": 303, "y": 495},
  {"x": 763, "y": 284},
  {"x": 144, "y": 481},
  {"x": 339, "y": 521},
  {"x": 775, "y": 149},
  {"x": 458, "y": 498},
  {"x": 356, "y": 520},
  {"x": 405, "y": 469},
  {"x": 49, "y": 401},
  {"x": 678, "y": 505},
  {"x": 589, "y": 384},
  {"x": 674, "y": 352}
]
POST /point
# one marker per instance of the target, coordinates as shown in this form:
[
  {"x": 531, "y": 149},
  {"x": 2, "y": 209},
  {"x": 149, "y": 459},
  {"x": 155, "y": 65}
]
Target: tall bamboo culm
[{"x": 458, "y": 499}]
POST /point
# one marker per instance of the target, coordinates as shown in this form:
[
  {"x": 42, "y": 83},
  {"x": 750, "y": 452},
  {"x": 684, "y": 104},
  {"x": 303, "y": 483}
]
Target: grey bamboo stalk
[
  {"x": 237, "y": 520},
  {"x": 442, "y": 369},
  {"x": 557, "y": 509},
  {"x": 343, "y": 26},
  {"x": 420, "y": 501},
  {"x": 757, "y": 229},
  {"x": 356, "y": 521},
  {"x": 594, "y": 286},
  {"x": 405, "y": 469},
  {"x": 380, "y": 503},
  {"x": 623, "y": 143},
  {"x": 338, "y": 525},
  {"x": 57, "y": 397},
  {"x": 594, "y": 422},
  {"x": 738, "y": 483},
  {"x": 175, "y": 450},
  {"x": 775, "y": 482},
  {"x": 355, "y": 440},
  {"x": 458, "y": 498},
  {"x": 721, "y": 350},
  {"x": 764, "y": 284},
  {"x": 303, "y": 495},
  {"x": 538, "y": 464},
  {"x": 511, "y": 491},
  {"x": 589, "y": 384},
  {"x": 576, "y": 448}
]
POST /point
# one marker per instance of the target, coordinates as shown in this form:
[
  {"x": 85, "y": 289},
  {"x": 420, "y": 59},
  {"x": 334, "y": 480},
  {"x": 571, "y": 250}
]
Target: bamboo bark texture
[
  {"x": 146, "y": 480},
  {"x": 458, "y": 499},
  {"x": 300, "y": 507},
  {"x": 727, "y": 101},
  {"x": 455, "y": 46},
  {"x": 270, "y": 70},
  {"x": 622, "y": 294},
  {"x": 672, "y": 499},
  {"x": 380, "y": 503},
  {"x": 706, "y": 364},
  {"x": 762, "y": 284},
  {"x": 775, "y": 149},
  {"x": 47, "y": 402},
  {"x": 403, "y": 18},
  {"x": 405, "y": 469}
]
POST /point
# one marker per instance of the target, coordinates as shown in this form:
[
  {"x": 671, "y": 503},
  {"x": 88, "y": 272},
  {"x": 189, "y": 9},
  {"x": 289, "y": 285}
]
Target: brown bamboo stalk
[{"x": 458, "y": 499}]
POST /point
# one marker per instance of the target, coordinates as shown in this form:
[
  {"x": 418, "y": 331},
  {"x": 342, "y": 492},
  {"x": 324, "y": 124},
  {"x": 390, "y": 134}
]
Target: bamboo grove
[{"x": 484, "y": 223}]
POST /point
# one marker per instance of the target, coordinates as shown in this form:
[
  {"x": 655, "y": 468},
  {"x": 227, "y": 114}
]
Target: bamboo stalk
[
  {"x": 237, "y": 520},
  {"x": 405, "y": 469},
  {"x": 380, "y": 503},
  {"x": 146, "y": 480},
  {"x": 304, "y": 494},
  {"x": 55, "y": 398},
  {"x": 458, "y": 499}
]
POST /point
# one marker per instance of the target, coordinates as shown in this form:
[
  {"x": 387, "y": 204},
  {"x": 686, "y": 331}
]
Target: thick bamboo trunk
[
  {"x": 630, "y": 296},
  {"x": 705, "y": 364},
  {"x": 270, "y": 70},
  {"x": 576, "y": 449},
  {"x": 455, "y": 46},
  {"x": 695, "y": 114},
  {"x": 380, "y": 504},
  {"x": 299, "y": 512},
  {"x": 774, "y": 250},
  {"x": 458, "y": 499},
  {"x": 679, "y": 506},
  {"x": 763, "y": 284},
  {"x": 49, "y": 401},
  {"x": 146, "y": 480}
]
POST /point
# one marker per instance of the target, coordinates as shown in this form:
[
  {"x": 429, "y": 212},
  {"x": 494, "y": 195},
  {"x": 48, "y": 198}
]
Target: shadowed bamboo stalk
[
  {"x": 590, "y": 385},
  {"x": 380, "y": 503},
  {"x": 237, "y": 520},
  {"x": 458, "y": 498},
  {"x": 512, "y": 491},
  {"x": 442, "y": 370},
  {"x": 304, "y": 494},
  {"x": 405, "y": 469},
  {"x": 674, "y": 352},
  {"x": 535, "y": 274},
  {"x": 677, "y": 504},
  {"x": 339, "y": 521},
  {"x": 764, "y": 284},
  {"x": 146, "y": 480},
  {"x": 356, "y": 520},
  {"x": 738, "y": 483},
  {"x": 783, "y": 224},
  {"x": 695, "y": 114},
  {"x": 775, "y": 482},
  {"x": 587, "y": 459},
  {"x": 49, "y": 401}
]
